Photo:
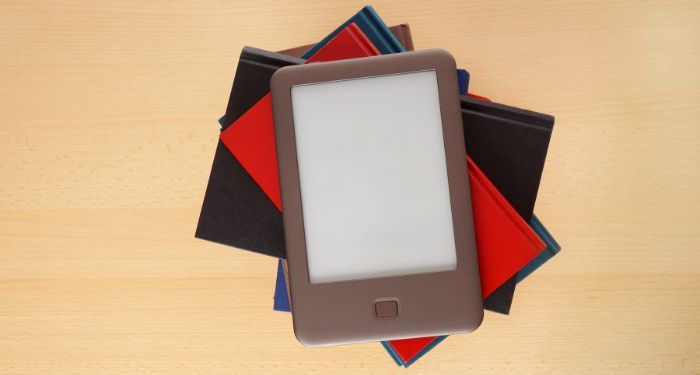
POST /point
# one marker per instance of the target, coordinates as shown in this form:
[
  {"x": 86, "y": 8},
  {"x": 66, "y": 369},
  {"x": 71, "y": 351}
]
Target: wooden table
[{"x": 108, "y": 131}]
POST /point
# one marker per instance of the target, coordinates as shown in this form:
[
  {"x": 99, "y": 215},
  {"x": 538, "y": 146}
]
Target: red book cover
[
  {"x": 505, "y": 242},
  {"x": 409, "y": 348},
  {"x": 251, "y": 138}
]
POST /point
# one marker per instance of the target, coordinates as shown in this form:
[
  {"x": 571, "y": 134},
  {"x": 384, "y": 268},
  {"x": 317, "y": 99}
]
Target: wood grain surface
[{"x": 108, "y": 131}]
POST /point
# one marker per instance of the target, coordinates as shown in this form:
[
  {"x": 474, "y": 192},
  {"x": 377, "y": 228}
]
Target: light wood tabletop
[{"x": 109, "y": 123}]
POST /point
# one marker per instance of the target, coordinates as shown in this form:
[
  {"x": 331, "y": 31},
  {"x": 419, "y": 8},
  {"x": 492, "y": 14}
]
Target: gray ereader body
[{"x": 375, "y": 195}]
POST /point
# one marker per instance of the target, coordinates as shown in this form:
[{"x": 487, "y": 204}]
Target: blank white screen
[{"x": 373, "y": 177}]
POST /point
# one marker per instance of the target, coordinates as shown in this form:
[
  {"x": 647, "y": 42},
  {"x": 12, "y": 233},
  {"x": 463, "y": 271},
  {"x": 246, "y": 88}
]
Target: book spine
[
  {"x": 392, "y": 353},
  {"x": 267, "y": 59},
  {"x": 405, "y": 31},
  {"x": 553, "y": 246},
  {"x": 359, "y": 37},
  {"x": 391, "y": 44},
  {"x": 526, "y": 117}
]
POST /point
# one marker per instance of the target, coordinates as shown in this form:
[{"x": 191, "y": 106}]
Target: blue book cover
[
  {"x": 551, "y": 250},
  {"x": 462, "y": 81},
  {"x": 281, "y": 299},
  {"x": 374, "y": 28}
]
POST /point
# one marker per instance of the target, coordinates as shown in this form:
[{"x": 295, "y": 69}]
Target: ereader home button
[{"x": 386, "y": 309}]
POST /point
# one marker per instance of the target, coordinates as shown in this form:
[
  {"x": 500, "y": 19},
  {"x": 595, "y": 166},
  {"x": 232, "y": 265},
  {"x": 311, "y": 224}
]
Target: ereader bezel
[{"x": 429, "y": 304}]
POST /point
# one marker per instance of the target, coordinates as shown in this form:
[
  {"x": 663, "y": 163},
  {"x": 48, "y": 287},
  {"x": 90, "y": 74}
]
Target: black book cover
[{"x": 235, "y": 211}]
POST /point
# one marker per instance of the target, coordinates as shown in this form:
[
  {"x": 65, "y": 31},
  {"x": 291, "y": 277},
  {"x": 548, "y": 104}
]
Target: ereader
[{"x": 375, "y": 195}]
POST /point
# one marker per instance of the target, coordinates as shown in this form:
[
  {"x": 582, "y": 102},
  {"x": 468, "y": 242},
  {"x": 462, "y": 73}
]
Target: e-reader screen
[{"x": 373, "y": 178}]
